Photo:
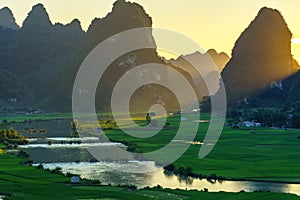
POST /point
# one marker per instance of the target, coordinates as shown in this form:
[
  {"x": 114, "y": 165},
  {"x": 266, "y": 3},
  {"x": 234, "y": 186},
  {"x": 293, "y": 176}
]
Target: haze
[{"x": 212, "y": 24}]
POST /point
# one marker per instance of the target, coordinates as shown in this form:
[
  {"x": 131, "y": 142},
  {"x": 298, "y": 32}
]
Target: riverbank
[
  {"x": 19, "y": 181},
  {"x": 252, "y": 154},
  {"x": 213, "y": 178},
  {"x": 245, "y": 154}
]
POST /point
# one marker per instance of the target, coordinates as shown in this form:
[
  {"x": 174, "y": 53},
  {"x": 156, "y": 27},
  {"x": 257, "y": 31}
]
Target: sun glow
[
  {"x": 296, "y": 40},
  {"x": 296, "y": 48}
]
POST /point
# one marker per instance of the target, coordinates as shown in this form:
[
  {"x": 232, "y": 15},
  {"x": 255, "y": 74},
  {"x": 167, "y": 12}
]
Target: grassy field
[
  {"x": 34, "y": 117},
  {"x": 252, "y": 153},
  {"x": 24, "y": 182}
]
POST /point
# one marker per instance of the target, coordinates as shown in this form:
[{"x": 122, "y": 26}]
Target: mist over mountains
[
  {"x": 39, "y": 62},
  {"x": 210, "y": 64},
  {"x": 261, "y": 57}
]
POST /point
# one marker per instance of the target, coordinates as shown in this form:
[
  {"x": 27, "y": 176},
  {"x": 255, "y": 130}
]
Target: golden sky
[{"x": 211, "y": 23}]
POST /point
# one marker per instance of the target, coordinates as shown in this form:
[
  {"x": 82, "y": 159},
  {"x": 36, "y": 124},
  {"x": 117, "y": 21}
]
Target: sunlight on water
[
  {"x": 110, "y": 173},
  {"x": 82, "y": 145}
]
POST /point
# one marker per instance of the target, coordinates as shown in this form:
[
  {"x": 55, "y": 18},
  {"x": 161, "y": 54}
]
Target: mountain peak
[
  {"x": 124, "y": 16},
  {"x": 273, "y": 16},
  {"x": 7, "y": 19},
  {"x": 37, "y": 18},
  {"x": 261, "y": 55},
  {"x": 75, "y": 25}
]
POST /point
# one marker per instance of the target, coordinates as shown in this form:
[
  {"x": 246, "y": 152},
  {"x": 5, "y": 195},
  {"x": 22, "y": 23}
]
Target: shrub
[
  {"x": 188, "y": 171},
  {"x": 40, "y": 166},
  {"x": 170, "y": 167},
  {"x": 23, "y": 154}
]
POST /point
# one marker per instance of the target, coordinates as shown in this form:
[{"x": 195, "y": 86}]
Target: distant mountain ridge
[
  {"x": 209, "y": 64},
  {"x": 39, "y": 62},
  {"x": 44, "y": 58}
]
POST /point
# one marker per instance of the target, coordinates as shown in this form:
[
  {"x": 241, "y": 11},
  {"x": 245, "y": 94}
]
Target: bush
[
  {"x": 57, "y": 170},
  {"x": 40, "y": 166},
  {"x": 96, "y": 182},
  {"x": 131, "y": 187},
  {"x": 158, "y": 187},
  {"x": 69, "y": 175},
  {"x": 23, "y": 154},
  {"x": 170, "y": 167},
  {"x": 212, "y": 176},
  {"x": 188, "y": 171},
  {"x": 179, "y": 171}
]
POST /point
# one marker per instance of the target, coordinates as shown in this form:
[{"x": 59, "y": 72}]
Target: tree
[
  {"x": 170, "y": 167},
  {"x": 12, "y": 133},
  {"x": 148, "y": 119},
  {"x": 188, "y": 171},
  {"x": 74, "y": 126},
  {"x": 295, "y": 120},
  {"x": 4, "y": 123}
]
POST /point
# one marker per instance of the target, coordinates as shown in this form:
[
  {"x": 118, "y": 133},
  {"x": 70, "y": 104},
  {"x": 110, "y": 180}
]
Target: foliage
[
  {"x": 170, "y": 167},
  {"x": 10, "y": 136},
  {"x": 41, "y": 184},
  {"x": 295, "y": 120},
  {"x": 266, "y": 116},
  {"x": 23, "y": 154},
  {"x": 74, "y": 126}
]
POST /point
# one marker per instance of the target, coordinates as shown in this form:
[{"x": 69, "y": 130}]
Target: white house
[
  {"x": 12, "y": 100},
  {"x": 75, "y": 179},
  {"x": 251, "y": 124}
]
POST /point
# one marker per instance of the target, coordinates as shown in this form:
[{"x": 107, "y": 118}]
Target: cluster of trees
[
  {"x": 188, "y": 171},
  {"x": 11, "y": 137},
  {"x": 268, "y": 117}
]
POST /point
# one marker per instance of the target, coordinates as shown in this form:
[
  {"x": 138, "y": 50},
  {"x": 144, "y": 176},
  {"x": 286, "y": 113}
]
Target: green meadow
[
  {"x": 246, "y": 153},
  {"x": 20, "y": 182},
  {"x": 255, "y": 153}
]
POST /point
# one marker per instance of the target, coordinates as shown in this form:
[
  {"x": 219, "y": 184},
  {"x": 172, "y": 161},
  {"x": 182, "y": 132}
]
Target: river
[{"x": 74, "y": 158}]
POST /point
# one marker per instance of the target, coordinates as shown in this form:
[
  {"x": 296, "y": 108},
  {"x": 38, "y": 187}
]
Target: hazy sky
[{"x": 211, "y": 23}]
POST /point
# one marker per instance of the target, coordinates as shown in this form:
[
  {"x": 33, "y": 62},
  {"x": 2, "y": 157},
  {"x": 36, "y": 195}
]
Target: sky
[{"x": 211, "y": 23}]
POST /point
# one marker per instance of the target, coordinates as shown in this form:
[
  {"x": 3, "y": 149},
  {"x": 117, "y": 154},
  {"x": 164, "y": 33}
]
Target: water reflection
[
  {"x": 63, "y": 154},
  {"x": 111, "y": 173}
]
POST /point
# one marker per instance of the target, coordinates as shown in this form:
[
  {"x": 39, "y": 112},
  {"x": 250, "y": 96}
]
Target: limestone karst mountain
[
  {"x": 209, "y": 64},
  {"x": 206, "y": 62},
  {"x": 46, "y": 57},
  {"x": 260, "y": 57},
  {"x": 7, "y": 19}
]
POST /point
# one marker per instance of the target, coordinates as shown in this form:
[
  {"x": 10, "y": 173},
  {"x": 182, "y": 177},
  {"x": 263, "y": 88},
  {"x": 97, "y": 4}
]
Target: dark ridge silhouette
[
  {"x": 261, "y": 56},
  {"x": 37, "y": 19},
  {"x": 208, "y": 64},
  {"x": 44, "y": 58},
  {"x": 7, "y": 19},
  {"x": 35, "y": 55},
  {"x": 124, "y": 16},
  {"x": 220, "y": 59},
  {"x": 282, "y": 94}
]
